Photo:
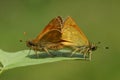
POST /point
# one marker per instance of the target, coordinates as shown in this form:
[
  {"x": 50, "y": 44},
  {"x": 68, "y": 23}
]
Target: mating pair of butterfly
[{"x": 59, "y": 34}]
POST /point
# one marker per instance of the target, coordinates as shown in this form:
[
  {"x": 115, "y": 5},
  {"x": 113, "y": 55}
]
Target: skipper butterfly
[
  {"x": 75, "y": 38},
  {"x": 49, "y": 38}
]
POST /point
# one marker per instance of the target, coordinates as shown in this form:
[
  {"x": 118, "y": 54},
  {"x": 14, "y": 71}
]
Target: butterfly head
[
  {"x": 93, "y": 47},
  {"x": 30, "y": 44}
]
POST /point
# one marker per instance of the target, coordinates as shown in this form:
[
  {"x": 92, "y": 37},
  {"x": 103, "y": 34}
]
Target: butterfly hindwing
[{"x": 52, "y": 36}]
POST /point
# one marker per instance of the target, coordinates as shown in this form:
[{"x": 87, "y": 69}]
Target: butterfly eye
[
  {"x": 93, "y": 48},
  {"x": 30, "y": 43}
]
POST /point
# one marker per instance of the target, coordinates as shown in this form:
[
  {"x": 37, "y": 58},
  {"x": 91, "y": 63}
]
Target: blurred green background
[{"x": 99, "y": 20}]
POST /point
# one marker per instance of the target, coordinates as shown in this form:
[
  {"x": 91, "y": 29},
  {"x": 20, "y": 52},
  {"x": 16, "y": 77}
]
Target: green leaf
[{"x": 21, "y": 58}]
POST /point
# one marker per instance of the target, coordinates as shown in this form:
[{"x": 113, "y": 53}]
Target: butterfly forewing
[
  {"x": 71, "y": 32},
  {"x": 55, "y": 23}
]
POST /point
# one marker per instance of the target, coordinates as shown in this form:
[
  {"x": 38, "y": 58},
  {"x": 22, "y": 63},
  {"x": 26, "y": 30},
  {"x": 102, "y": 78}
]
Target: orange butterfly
[
  {"x": 49, "y": 38},
  {"x": 75, "y": 38}
]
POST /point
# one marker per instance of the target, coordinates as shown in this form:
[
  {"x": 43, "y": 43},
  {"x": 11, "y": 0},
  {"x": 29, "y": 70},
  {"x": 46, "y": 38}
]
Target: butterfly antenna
[
  {"x": 96, "y": 44},
  {"x": 24, "y": 33},
  {"x": 100, "y": 43}
]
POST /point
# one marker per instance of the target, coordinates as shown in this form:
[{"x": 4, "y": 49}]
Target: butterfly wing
[
  {"x": 52, "y": 36},
  {"x": 51, "y": 40},
  {"x": 72, "y": 33},
  {"x": 55, "y": 23}
]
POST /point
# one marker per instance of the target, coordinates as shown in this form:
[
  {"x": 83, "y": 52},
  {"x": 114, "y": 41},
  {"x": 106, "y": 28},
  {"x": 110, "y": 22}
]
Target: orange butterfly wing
[
  {"x": 52, "y": 36},
  {"x": 72, "y": 33},
  {"x": 55, "y": 23}
]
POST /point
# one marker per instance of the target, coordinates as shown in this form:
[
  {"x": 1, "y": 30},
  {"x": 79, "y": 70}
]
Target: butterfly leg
[
  {"x": 81, "y": 52},
  {"x": 29, "y": 52},
  {"x": 47, "y": 51},
  {"x": 36, "y": 53},
  {"x": 89, "y": 55},
  {"x": 74, "y": 52},
  {"x": 85, "y": 52}
]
